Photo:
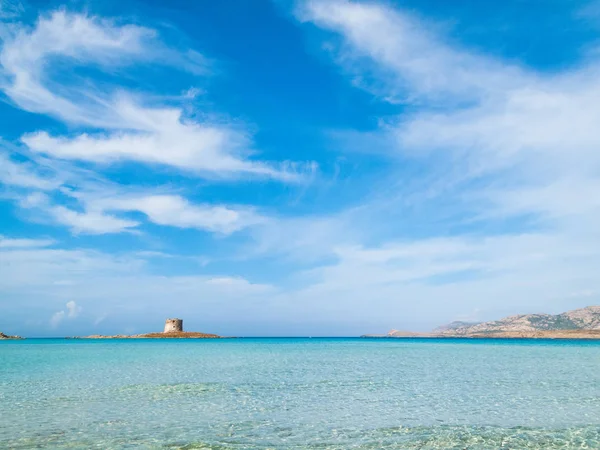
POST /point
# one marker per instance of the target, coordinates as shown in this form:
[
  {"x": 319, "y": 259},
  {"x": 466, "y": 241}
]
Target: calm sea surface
[{"x": 299, "y": 394}]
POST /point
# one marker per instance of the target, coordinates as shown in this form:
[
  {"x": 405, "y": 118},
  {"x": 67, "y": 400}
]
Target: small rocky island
[
  {"x": 6, "y": 337},
  {"x": 581, "y": 323},
  {"x": 173, "y": 330}
]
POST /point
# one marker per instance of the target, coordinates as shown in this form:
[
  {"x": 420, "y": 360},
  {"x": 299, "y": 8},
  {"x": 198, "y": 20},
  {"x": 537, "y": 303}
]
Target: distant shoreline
[
  {"x": 554, "y": 334},
  {"x": 583, "y": 323},
  {"x": 365, "y": 337}
]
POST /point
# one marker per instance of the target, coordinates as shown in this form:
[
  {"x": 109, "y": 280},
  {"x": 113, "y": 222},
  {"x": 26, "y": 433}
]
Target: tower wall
[{"x": 172, "y": 325}]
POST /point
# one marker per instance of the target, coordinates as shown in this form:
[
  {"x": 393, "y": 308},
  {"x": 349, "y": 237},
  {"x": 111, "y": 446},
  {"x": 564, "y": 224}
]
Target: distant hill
[
  {"x": 400, "y": 333},
  {"x": 581, "y": 323},
  {"x": 454, "y": 326},
  {"x": 578, "y": 320}
]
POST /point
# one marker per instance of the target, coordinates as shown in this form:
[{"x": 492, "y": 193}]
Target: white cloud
[
  {"x": 73, "y": 309},
  {"x": 24, "y": 243},
  {"x": 90, "y": 222},
  {"x": 130, "y": 128},
  {"x": 43, "y": 209},
  {"x": 147, "y": 134},
  {"x": 411, "y": 60},
  {"x": 72, "y": 312},
  {"x": 26, "y": 54},
  {"x": 98, "y": 208},
  {"x": 522, "y": 134},
  {"x": 162, "y": 137},
  {"x": 24, "y": 175},
  {"x": 175, "y": 211}
]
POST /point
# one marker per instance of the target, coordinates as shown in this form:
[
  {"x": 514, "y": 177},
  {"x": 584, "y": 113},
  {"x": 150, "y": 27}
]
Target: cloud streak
[
  {"x": 112, "y": 126},
  {"x": 160, "y": 136},
  {"x": 411, "y": 60},
  {"x": 27, "y": 53},
  {"x": 134, "y": 127}
]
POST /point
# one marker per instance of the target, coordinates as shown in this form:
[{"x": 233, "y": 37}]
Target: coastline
[
  {"x": 554, "y": 334},
  {"x": 582, "y": 323}
]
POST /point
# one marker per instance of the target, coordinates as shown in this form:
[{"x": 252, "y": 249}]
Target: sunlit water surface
[{"x": 299, "y": 394}]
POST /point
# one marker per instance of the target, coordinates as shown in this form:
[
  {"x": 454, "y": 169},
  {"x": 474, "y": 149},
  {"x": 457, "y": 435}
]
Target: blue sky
[{"x": 273, "y": 168}]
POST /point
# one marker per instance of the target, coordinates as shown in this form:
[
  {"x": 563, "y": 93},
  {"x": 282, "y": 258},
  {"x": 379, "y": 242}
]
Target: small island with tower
[{"x": 173, "y": 330}]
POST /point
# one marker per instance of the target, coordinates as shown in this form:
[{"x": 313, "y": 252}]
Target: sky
[{"x": 296, "y": 168}]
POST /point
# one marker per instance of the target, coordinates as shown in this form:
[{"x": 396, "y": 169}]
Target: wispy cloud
[
  {"x": 91, "y": 222},
  {"x": 27, "y": 53},
  {"x": 136, "y": 130},
  {"x": 24, "y": 175},
  {"x": 98, "y": 213},
  {"x": 24, "y": 243},
  {"x": 160, "y": 136},
  {"x": 525, "y": 132},
  {"x": 9, "y": 9},
  {"x": 113, "y": 125},
  {"x": 175, "y": 211},
  {"x": 411, "y": 61}
]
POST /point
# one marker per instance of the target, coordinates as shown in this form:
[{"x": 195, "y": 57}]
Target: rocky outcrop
[
  {"x": 170, "y": 335},
  {"x": 5, "y": 336},
  {"x": 578, "y": 322},
  {"x": 173, "y": 330}
]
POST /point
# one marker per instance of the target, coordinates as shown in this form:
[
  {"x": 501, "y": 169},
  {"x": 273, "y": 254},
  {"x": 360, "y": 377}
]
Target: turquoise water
[{"x": 299, "y": 394}]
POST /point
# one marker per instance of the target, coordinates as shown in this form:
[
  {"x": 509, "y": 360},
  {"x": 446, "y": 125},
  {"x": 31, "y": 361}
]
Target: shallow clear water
[{"x": 299, "y": 393}]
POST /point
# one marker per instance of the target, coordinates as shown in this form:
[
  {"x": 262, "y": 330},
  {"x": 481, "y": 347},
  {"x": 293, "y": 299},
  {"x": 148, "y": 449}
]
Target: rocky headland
[
  {"x": 581, "y": 323},
  {"x": 6, "y": 337}
]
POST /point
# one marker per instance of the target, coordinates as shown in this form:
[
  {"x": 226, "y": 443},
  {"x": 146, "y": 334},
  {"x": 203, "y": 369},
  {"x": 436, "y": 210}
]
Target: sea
[{"x": 300, "y": 393}]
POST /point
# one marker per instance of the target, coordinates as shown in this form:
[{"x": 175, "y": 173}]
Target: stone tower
[{"x": 173, "y": 325}]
